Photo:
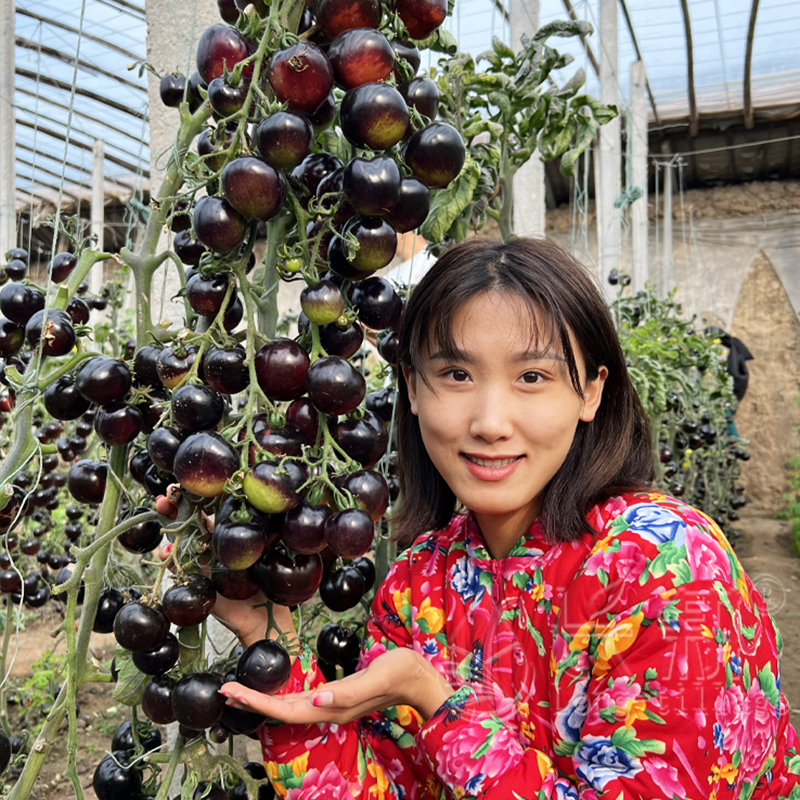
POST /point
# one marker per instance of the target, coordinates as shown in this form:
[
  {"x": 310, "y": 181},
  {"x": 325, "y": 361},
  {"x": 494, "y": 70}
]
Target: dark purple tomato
[
  {"x": 162, "y": 445},
  {"x": 174, "y": 364},
  {"x": 285, "y": 441},
  {"x": 149, "y": 737},
  {"x": 204, "y": 463},
  {"x": 160, "y": 660},
  {"x": 264, "y": 667},
  {"x": 377, "y": 243},
  {"x": 19, "y": 302},
  {"x": 139, "y": 464},
  {"x": 196, "y": 701},
  {"x": 10, "y": 581},
  {"x": 421, "y": 17},
  {"x": 337, "y": 645},
  {"x": 367, "y": 569},
  {"x": 110, "y": 602},
  {"x": 288, "y": 580},
  {"x": 117, "y": 424},
  {"x": 284, "y": 139},
  {"x": 409, "y": 52},
  {"x": 342, "y": 589},
  {"x": 12, "y": 337},
  {"x": 372, "y": 186},
  {"x": 281, "y": 368},
  {"x": 336, "y": 16},
  {"x": 197, "y": 407},
  {"x": 228, "y": 11},
  {"x": 301, "y": 75},
  {"x": 103, "y": 380},
  {"x": 358, "y": 439},
  {"x": 206, "y": 295},
  {"x": 171, "y": 89},
  {"x": 189, "y": 603},
  {"x": 273, "y": 487},
  {"x": 334, "y": 385},
  {"x": 16, "y": 269},
  {"x": 302, "y": 530},
  {"x": 421, "y": 93},
  {"x": 63, "y": 400},
  {"x": 323, "y": 116},
  {"x": 313, "y": 169},
  {"x": 241, "y": 723},
  {"x": 140, "y": 627},
  {"x": 61, "y": 266},
  {"x": 359, "y": 56},
  {"x": 233, "y": 314},
  {"x": 218, "y": 225},
  {"x": 374, "y": 115},
  {"x": 86, "y": 481},
  {"x": 349, "y": 533},
  {"x": 389, "y": 347},
  {"x": 143, "y": 537},
  {"x": 253, "y": 187},
  {"x": 180, "y": 216},
  {"x": 330, "y": 197},
  {"x": 157, "y": 481},
  {"x": 343, "y": 342},
  {"x": 238, "y": 545},
  {"x": 301, "y": 412},
  {"x": 226, "y": 370},
  {"x": 234, "y": 584},
  {"x": 114, "y": 778},
  {"x": 78, "y": 311},
  {"x": 214, "y": 149},
  {"x": 53, "y": 329},
  {"x": 209, "y": 791},
  {"x": 225, "y": 99},
  {"x": 412, "y": 206},
  {"x": 98, "y": 303},
  {"x": 157, "y": 699},
  {"x": 436, "y": 154},
  {"x": 188, "y": 249},
  {"x": 220, "y": 47},
  {"x": 377, "y": 303}
]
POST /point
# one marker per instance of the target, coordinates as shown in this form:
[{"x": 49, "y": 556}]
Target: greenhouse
[{"x": 399, "y": 399}]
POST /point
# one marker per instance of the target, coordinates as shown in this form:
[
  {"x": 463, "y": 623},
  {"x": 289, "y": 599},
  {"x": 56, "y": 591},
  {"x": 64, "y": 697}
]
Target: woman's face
[{"x": 499, "y": 420}]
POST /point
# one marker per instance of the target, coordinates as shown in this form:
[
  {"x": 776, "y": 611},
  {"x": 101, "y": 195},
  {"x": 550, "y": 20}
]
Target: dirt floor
[{"x": 764, "y": 550}]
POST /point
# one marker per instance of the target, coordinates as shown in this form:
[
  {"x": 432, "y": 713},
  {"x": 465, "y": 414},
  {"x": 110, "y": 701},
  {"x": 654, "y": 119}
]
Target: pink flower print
[
  {"x": 616, "y": 696},
  {"x": 707, "y": 560},
  {"x": 665, "y": 776},
  {"x": 758, "y": 733},
  {"x": 326, "y": 785},
  {"x": 729, "y": 707}
]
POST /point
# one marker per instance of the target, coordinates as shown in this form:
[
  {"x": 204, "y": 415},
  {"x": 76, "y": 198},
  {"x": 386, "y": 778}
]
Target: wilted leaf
[
  {"x": 131, "y": 682},
  {"x": 564, "y": 28},
  {"x": 585, "y": 133},
  {"x": 501, "y": 48},
  {"x": 449, "y": 203}
]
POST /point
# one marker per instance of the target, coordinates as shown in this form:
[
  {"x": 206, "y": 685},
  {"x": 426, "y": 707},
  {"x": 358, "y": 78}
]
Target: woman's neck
[{"x": 502, "y": 532}]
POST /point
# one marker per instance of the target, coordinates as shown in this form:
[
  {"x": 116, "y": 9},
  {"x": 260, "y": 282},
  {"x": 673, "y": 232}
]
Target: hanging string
[{"x": 35, "y": 131}]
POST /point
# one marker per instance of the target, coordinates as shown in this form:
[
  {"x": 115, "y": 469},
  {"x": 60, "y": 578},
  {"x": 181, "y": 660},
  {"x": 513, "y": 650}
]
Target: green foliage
[
  {"x": 37, "y": 694},
  {"x": 681, "y": 377},
  {"x": 792, "y": 497}
]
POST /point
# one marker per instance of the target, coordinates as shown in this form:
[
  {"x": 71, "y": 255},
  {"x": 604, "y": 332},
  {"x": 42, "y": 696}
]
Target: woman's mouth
[
  {"x": 491, "y": 469},
  {"x": 491, "y": 462}
]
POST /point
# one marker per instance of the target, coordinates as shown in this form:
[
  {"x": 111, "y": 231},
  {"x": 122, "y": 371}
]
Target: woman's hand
[{"x": 398, "y": 677}]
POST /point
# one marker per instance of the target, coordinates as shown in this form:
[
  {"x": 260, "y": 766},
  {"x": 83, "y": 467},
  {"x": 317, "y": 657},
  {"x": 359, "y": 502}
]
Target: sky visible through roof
[{"x": 114, "y": 37}]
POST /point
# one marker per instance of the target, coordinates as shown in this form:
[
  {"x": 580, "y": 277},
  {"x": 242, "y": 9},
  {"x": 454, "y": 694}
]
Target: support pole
[
  {"x": 639, "y": 223},
  {"x": 98, "y": 213},
  {"x": 666, "y": 262},
  {"x": 8, "y": 233},
  {"x": 529, "y": 186},
  {"x": 609, "y": 224}
]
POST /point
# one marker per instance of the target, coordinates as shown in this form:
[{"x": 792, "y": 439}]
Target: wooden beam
[
  {"x": 632, "y": 33},
  {"x": 694, "y": 117},
  {"x": 586, "y": 46},
  {"x": 748, "y": 66}
]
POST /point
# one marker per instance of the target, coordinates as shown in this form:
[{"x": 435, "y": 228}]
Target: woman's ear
[
  {"x": 411, "y": 387},
  {"x": 593, "y": 395}
]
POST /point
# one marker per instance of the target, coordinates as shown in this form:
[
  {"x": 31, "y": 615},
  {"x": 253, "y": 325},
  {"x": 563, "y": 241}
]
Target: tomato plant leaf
[
  {"x": 562, "y": 27},
  {"x": 449, "y": 203},
  {"x": 131, "y": 682}
]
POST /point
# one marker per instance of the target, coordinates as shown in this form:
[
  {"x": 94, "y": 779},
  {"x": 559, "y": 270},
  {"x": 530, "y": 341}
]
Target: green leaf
[
  {"x": 650, "y": 674},
  {"x": 766, "y": 680},
  {"x": 440, "y": 41},
  {"x": 563, "y": 28},
  {"x": 501, "y": 48},
  {"x": 482, "y": 125},
  {"x": 586, "y": 131},
  {"x": 573, "y": 84},
  {"x": 131, "y": 682},
  {"x": 746, "y": 679},
  {"x": 625, "y": 739},
  {"x": 449, "y": 203}
]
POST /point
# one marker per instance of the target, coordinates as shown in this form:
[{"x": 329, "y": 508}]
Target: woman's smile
[{"x": 498, "y": 416}]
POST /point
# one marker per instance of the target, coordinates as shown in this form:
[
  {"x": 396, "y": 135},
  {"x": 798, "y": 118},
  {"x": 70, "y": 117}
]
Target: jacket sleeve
[
  {"x": 679, "y": 696},
  {"x": 374, "y": 756}
]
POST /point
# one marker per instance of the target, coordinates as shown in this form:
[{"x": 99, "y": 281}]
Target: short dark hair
[{"x": 610, "y": 455}]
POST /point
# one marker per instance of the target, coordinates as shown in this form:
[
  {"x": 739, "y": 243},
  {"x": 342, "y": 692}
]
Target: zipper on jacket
[{"x": 488, "y": 642}]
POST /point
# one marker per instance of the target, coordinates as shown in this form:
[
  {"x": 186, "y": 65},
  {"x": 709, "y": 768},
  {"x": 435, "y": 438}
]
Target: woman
[{"x": 570, "y": 632}]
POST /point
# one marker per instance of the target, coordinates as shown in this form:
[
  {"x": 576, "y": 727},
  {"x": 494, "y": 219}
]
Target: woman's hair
[{"x": 610, "y": 455}]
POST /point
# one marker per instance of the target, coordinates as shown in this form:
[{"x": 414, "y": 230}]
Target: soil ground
[{"x": 764, "y": 550}]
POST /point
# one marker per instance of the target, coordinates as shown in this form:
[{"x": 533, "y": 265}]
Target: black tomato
[
  {"x": 63, "y": 400},
  {"x": 337, "y": 645},
  {"x": 110, "y": 602},
  {"x": 189, "y": 603},
  {"x": 369, "y": 490},
  {"x": 103, "y": 380},
  {"x": 140, "y": 627},
  {"x": 265, "y": 667},
  {"x": 114, "y": 779},
  {"x": 196, "y": 701},
  {"x": 141, "y": 538},
  {"x": 281, "y": 368},
  {"x": 342, "y": 589},
  {"x": 334, "y": 385},
  {"x": 53, "y": 329},
  {"x": 157, "y": 699},
  {"x": 349, "y": 533},
  {"x": 373, "y": 116},
  {"x": 160, "y": 660},
  {"x": 225, "y": 369},
  {"x": 149, "y": 737},
  {"x": 234, "y": 584},
  {"x": 367, "y": 569},
  {"x": 86, "y": 481},
  {"x": 285, "y": 139},
  {"x": 378, "y": 304},
  {"x": 287, "y": 580},
  {"x": 272, "y": 487},
  {"x": 163, "y": 444},
  {"x": 145, "y": 367},
  {"x": 239, "y": 545},
  {"x": 372, "y": 186},
  {"x": 303, "y": 526},
  {"x": 204, "y": 463},
  {"x": 197, "y": 407},
  {"x": 118, "y": 423}
]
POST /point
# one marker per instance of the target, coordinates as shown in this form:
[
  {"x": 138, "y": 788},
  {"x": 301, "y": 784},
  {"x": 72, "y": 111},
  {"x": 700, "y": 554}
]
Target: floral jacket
[{"x": 638, "y": 662}]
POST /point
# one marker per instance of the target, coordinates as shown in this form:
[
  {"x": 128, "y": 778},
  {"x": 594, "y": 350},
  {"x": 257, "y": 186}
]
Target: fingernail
[
  {"x": 323, "y": 699},
  {"x": 168, "y": 548}
]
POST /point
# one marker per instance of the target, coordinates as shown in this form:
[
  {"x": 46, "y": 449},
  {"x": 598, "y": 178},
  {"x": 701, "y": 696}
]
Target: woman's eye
[
  {"x": 459, "y": 375},
  {"x": 531, "y": 377}
]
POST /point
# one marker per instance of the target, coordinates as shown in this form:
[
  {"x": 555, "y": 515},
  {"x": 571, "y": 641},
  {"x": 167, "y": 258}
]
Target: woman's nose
[{"x": 491, "y": 417}]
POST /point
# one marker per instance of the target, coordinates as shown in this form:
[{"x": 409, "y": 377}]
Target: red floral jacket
[{"x": 638, "y": 662}]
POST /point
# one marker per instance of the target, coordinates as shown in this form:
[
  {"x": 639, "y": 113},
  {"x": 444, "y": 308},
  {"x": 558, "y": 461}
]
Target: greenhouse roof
[{"x": 73, "y": 84}]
